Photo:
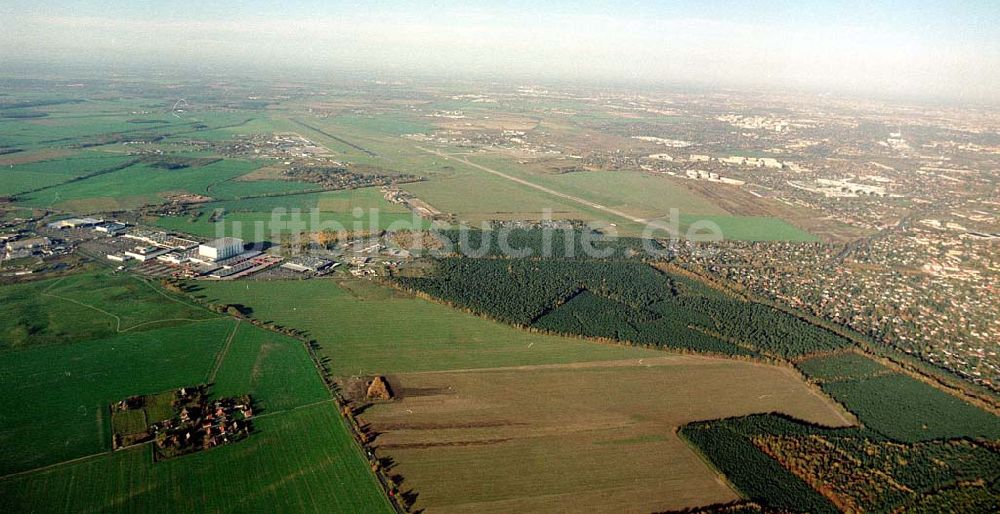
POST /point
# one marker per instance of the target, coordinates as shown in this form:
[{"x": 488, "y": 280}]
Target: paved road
[{"x": 521, "y": 181}]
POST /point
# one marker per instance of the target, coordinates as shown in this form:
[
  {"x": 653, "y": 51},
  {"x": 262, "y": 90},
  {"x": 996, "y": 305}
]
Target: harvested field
[{"x": 594, "y": 436}]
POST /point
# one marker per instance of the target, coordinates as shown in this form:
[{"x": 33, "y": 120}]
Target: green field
[
  {"x": 87, "y": 306},
  {"x": 97, "y": 121},
  {"x": 475, "y": 196},
  {"x": 366, "y": 328},
  {"x": 236, "y": 188},
  {"x": 640, "y": 194},
  {"x": 18, "y": 178},
  {"x": 55, "y": 400},
  {"x": 744, "y": 228},
  {"x": 274, "y": 369},
  {"x": 136, "y": 186}
]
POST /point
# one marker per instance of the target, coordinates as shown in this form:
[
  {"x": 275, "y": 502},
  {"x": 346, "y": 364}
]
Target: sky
[{"x": 944, "y": 49}]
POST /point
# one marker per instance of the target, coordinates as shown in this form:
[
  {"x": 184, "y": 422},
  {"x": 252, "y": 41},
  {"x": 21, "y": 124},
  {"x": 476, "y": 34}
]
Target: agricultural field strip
[
  {"x": 544, "y": 189},
  {"x": 841, "y": 412}
]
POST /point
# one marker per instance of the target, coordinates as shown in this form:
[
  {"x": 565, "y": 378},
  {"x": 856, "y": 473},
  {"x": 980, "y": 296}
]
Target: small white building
[{"x": 219, "y": 249}]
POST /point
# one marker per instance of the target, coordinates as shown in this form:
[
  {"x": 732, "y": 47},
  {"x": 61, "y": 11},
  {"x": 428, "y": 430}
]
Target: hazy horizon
[{"x": 913, "y": 49}]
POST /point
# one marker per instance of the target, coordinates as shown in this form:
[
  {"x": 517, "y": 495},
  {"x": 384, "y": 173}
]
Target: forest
[{"x": 624, "y": 300}]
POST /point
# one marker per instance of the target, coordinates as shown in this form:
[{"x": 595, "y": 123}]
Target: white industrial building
[
  {"x": 111, "y": 228},
  {"x": 219, "y": 249}
]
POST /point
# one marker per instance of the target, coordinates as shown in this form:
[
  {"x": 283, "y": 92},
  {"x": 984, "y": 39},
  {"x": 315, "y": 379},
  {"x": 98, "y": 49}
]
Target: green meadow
[
  {"x": 55, "y": 401},
  {"x": 136, "y": 186},
  {"x": 743, "y": 228},
  {"x": 87, "y": 306},
  {"x": 18, "y": 178}
]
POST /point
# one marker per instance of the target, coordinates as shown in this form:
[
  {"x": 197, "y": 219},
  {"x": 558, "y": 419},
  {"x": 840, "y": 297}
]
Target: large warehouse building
[{"x": 222, "y": 248}]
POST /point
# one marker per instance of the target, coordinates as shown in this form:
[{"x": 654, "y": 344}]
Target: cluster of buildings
[
  {"x": 201, "y": 424},
  {"x": 284, "y": 147},
  {"x": 419, "y": 207},
  {"x": 668, "y": 142},
  {"x": 712, "y": 177},
  {"x": 22, "y": 246},
  {"x": 927, "y": 292},
  {"x": 145, "y": 245},
  {"x": 756, "y": 122},
  {"x": 162, "y": 254},
  {"x": 840, "y": 188}
]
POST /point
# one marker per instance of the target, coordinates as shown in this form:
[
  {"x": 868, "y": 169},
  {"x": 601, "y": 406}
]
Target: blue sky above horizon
[{"x": 918, "y": 47}]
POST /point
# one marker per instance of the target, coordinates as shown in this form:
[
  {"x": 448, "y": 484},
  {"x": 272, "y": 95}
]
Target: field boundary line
[
  {"x": 297, "y": 407},
  {"x": 153, "y": 322},
  {"x": 54, "y": 465}
]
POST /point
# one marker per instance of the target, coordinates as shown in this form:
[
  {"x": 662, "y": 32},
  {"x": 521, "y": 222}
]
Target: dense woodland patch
[
  {"x": 625, "y": 300},
  {"x": 784, "y": 464}
]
